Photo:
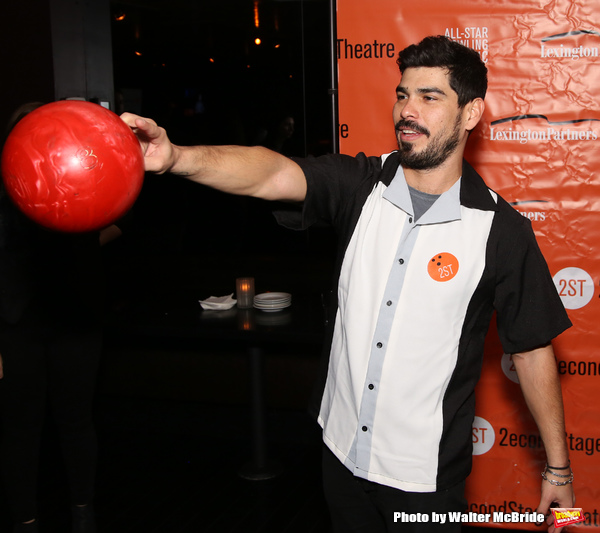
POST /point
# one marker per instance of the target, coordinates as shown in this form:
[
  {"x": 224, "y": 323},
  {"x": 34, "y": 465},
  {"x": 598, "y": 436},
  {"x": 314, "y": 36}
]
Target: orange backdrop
[{"x": 538, "y": 146}]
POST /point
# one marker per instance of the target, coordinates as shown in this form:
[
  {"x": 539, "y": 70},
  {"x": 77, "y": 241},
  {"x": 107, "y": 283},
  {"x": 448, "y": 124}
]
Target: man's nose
[{"x": 409, "y": 109}]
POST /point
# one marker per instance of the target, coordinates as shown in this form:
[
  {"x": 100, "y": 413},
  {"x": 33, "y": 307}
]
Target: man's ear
[{"x": 473, "y": 112}]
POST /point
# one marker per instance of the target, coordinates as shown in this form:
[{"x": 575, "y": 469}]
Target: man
[{"x": 426, "y": 254}]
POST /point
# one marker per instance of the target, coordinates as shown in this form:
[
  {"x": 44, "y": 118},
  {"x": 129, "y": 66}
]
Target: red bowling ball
[{"x": 72, "y": 166}]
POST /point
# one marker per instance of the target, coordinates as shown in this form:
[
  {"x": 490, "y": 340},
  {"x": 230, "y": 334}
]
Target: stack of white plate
[{"x": 272, "y": 301}]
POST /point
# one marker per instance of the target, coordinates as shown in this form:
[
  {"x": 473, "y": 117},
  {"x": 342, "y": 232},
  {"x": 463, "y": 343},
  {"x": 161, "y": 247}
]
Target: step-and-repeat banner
[{"x": 538, "y": 145}]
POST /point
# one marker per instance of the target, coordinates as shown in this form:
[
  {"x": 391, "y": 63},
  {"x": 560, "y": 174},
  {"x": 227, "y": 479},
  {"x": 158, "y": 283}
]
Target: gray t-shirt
[{"x": 421, "y": 201}]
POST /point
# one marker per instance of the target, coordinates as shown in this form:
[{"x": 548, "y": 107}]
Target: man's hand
[
  {"x": 555, "y": 496},
  {"x": 159, "y": 152}
]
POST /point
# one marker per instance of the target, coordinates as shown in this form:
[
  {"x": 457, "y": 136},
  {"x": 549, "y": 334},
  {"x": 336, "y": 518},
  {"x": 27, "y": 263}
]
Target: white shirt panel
[
  {"x": 352, "y": 345},
  {"x": 420, "y": 361}
]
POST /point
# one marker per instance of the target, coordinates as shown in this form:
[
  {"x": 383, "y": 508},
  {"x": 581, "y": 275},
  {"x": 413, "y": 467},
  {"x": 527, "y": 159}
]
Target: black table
[{"x": 250, "y": 330}]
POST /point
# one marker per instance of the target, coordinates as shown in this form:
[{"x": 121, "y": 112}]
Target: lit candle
[{"x": 244, "y": 292}]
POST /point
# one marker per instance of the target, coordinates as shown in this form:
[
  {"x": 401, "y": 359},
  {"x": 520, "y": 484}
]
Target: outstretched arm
[
  {"x": 249, "y": 171},
  {"x": 538, "y": 376}
]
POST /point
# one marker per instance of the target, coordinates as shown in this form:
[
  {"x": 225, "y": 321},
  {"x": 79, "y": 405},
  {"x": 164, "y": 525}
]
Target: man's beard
[{"x": 433, "y": 155}]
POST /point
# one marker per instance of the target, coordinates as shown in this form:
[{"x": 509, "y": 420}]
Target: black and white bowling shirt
[{"x": 414, "y": 302}]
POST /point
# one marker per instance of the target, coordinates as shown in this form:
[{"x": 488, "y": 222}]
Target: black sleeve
[
  {"x": 331, "y": 181},
  {"x": 529, "y": 311}
]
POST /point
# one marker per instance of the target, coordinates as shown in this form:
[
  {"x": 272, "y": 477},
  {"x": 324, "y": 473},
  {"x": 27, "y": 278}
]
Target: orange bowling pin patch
[{"x": 442, "y": 267}]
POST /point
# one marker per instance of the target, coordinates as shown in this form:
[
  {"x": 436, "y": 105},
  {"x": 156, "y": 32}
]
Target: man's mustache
[{"x": 410, "y": 125}]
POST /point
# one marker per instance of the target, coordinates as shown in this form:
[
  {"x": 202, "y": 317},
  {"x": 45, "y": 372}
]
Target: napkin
[{"x": 218, "y": 302}]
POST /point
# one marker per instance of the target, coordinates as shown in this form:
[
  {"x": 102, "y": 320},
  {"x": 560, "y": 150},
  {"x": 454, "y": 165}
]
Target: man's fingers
[{"x": 141, "y": 126}]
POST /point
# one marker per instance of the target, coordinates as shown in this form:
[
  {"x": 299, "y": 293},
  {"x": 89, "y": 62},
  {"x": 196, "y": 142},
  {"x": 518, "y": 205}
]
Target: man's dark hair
[{"x": 467, "y": 72}]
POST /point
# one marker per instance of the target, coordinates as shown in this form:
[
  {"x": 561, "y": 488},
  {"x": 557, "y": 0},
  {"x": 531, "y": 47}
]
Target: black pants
[
  {"x": 360, "y": 506},
  {"x": 58, "y": 364}
]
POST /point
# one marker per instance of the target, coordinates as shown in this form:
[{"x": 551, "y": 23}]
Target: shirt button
[
  {"x": 371, "y": 386},
  {"x": 401, "y": 261},
  {"x": 388, "y": 303},
  {"x": 410, "y": 220},
  {"x": 365, "y": 428},
  {"x": 379, "y": 345}
]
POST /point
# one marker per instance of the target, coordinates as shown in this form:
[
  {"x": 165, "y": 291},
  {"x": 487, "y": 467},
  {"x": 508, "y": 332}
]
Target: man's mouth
[
  {"x": 410, "y": 130},
  {"x": 409, "y": 133}
]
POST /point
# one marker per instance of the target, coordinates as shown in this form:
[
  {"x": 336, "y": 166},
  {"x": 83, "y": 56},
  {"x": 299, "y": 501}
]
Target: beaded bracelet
[{"x": 557, "y": 483}]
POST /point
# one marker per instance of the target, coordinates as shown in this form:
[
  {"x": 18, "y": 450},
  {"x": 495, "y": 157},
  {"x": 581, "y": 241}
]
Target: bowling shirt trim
[{"x": 413, "y": 304}]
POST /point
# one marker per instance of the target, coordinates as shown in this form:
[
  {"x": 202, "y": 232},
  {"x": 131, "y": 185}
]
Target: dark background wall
[
  {"x": 25, "y": 56},
  {"x": 170, "y": 58},
  {"x": 194, "y": 67}
]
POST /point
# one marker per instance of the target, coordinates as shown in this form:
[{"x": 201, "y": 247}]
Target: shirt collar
[
  {"x": 445, "y": 209},
  {"x": 471, "y": 190}
]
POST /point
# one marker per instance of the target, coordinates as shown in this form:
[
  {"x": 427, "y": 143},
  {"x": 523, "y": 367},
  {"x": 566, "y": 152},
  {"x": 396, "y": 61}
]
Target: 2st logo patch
[{"x": 442, "y": 267}]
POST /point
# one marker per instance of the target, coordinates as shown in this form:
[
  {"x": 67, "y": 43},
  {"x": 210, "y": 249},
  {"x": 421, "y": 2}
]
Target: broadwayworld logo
[
  {"x": 554, "y": 131},
  {"x": 565, "y": 517},
  {"x": 573, "y": 53}
]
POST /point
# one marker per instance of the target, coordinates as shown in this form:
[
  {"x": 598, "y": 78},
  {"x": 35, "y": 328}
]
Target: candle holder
[{"x": 244, "y": 291}]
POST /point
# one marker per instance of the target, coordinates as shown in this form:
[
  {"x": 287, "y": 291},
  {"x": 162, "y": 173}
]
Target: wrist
[
  {"x": 567, "y": 464},
  {"x": 558, "y": 476},
  {"x": 172, "y": 167}
]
